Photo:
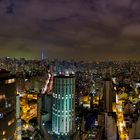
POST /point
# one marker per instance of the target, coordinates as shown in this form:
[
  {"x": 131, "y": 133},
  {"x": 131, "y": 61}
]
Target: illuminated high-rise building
[
  {"x": 18, "y": 119},
  {"x": 39, "y": 104},
  {"x": 43, "y": 55},
  {"x": 63, "y": 109},
  {"x": 7, "y": 105},
  {"x": 20, "y": 80}
]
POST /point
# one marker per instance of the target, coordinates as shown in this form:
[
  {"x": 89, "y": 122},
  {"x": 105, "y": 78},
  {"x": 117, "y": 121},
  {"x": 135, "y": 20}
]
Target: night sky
[{"x": 80, "y": 29}]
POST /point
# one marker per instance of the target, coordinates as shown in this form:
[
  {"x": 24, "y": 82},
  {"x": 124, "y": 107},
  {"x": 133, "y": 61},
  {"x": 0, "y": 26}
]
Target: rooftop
[{"x": 4, "y": 74}]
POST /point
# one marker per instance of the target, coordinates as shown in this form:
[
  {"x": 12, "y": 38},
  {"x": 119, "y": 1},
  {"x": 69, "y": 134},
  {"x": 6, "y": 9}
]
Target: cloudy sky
[{"x": 80, "y": 29}]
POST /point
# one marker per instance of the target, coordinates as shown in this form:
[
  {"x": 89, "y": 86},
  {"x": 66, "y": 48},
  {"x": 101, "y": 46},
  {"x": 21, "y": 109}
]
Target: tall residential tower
[
  {"x": 108, "y": 95},
  {"x": 7, "y": 105},
  {"x": 63, "y": 109}
]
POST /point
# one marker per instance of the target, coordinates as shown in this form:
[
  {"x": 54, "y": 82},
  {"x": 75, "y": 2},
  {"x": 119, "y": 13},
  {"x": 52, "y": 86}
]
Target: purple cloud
[{"x": 88, "y": 29}]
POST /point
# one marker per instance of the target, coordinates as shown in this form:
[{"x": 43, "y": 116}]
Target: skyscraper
[
  {"x": 43, "y": 55},
  {"x": 108, "y": 95},
  {"x": 7, "y": 105},
  {"x": 46, "y": 107},
  {"x": 63, "y": 109}
]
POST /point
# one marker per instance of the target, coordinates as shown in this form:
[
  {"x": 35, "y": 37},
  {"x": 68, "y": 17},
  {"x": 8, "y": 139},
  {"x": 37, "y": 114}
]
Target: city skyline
[
  {"x": 69, "y": 100},
  {"x": 85, "y": 30}
]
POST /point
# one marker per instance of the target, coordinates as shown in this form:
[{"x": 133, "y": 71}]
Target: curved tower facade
[{"x": 63, "y": 109}]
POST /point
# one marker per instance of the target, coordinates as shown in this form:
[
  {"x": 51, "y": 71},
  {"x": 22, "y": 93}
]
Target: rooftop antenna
[{"x": 43, "y": 55}]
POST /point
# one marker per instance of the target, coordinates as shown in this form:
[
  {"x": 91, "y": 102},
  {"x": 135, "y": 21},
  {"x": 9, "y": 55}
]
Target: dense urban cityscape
[
  {"x": 69, "y": 100},
  {"x": 69, "y": 69}
]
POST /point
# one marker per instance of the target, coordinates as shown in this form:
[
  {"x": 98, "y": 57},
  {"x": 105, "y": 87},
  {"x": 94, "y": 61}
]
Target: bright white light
[
  {"x": 121, "y": 127},
  {"x": 1, "y": 115},
  {"x": 46, "y": 84},
  {"x": 117, "y": 99},
  {"x": 9, "y": 81},
  {"x": 9, "y": 105},
  {"x": 120, "y": 109},
  {"x": 66, "y": 73}
]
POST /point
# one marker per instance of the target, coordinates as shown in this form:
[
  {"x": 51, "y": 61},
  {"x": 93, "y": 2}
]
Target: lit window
[
  {"x": 9, "y": 81},
  {"x": 2, "y": 96},
  {"x": 59, "y": 96},
  {"x": 3, "y": 133},
  {"x": 11, "y": 122},
  {"x": 55, "y": 95}
]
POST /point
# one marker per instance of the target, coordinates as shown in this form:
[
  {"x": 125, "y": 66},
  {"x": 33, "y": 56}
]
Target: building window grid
[
  {"x": 66, "y": 124},
  {"x": 67, "y": 94}
]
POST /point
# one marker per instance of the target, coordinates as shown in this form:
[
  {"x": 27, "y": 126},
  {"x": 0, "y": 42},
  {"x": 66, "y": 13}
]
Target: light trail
[
  {"x": 48, "y": 85},
  {"x": 120, "y": 120}
]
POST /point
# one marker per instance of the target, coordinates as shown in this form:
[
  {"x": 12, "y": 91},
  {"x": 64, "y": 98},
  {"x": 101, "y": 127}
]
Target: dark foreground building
[{"x": 7, "y": 106}]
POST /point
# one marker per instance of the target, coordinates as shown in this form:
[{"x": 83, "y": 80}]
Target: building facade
[
  {"x": 63, "y": 108},
  {"x": 7, "y": 105},
  {"x": 108, "y": 95},
  {"x": 46, "y": 107}
]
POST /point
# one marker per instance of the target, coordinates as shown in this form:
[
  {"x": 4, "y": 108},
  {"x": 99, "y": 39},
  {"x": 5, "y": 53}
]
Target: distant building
[
  {"x": 110, "y": 128},
  {"x": 46, "y": 108},
  {"x": 39, "y": 107},
  {"x": 137, "y": 84},
  {"x": 20, "y": 82},
  {"x": 18, "y": 119},
  {"x": 108, "y": 94},
  {"x": 63, "y": 109},
  {"x": 7, "y": 105}
]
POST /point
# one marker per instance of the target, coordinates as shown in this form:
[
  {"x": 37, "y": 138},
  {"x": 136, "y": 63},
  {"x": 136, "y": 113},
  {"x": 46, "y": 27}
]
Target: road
[
  {"x": 29, "y": 112},
  {"x": 122, "y": 130}
]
